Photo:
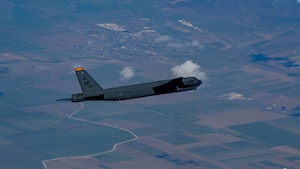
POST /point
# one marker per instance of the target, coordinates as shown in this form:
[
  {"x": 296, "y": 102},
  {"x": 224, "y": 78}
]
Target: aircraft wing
[{"x": 169, "y": 86}]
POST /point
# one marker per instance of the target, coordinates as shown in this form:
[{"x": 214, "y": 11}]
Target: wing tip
[{"x": 78, "y": 69}]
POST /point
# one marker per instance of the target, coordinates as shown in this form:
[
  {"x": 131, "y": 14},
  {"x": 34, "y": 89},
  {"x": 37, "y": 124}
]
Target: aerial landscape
[{"x": 245, "y": 114}]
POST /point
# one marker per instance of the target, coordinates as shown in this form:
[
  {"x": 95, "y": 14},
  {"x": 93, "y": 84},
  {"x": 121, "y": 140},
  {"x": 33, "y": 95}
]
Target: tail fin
[{"x": 87, "y": 83}]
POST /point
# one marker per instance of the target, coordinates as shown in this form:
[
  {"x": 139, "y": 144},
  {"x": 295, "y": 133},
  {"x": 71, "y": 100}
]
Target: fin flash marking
[{"x": 78, "y": 68}]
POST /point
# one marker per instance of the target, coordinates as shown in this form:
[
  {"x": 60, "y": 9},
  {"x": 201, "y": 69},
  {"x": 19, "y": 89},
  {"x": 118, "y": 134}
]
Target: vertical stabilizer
[{"x": 87, "y": 83}]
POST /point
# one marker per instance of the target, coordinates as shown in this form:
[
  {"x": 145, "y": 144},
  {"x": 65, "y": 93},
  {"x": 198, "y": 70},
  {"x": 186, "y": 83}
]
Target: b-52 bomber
[{"x": 91, "y": 90}]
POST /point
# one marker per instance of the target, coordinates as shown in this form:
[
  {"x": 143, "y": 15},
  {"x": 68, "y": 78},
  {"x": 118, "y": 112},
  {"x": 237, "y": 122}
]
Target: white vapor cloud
[
  {"x": 127, "y": 73},
  {"x": 298, "y": 1},
  {"x": 189, "y": 68}
]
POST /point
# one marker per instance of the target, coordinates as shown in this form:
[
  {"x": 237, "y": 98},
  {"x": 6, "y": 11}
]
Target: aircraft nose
[{"x": 197, "y": 82}]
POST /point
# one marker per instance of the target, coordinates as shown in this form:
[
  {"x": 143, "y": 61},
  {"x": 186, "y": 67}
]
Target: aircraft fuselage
[{"x": 132, "y": 91}]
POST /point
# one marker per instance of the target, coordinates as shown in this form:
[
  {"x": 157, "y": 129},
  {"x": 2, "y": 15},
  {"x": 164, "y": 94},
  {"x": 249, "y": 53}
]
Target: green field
[
  {"x": 37, "y": 137},
  {"x": 267, "y": 135}
]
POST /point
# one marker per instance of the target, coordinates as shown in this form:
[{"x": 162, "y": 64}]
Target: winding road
[{"x": 90, "y": 155}]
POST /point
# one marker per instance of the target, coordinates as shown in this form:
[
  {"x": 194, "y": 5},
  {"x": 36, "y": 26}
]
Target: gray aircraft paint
[{"x": 91, "y": 90}]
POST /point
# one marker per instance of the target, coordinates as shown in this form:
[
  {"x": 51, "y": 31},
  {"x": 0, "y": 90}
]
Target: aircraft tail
[{"x": 87, "y": 83}]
